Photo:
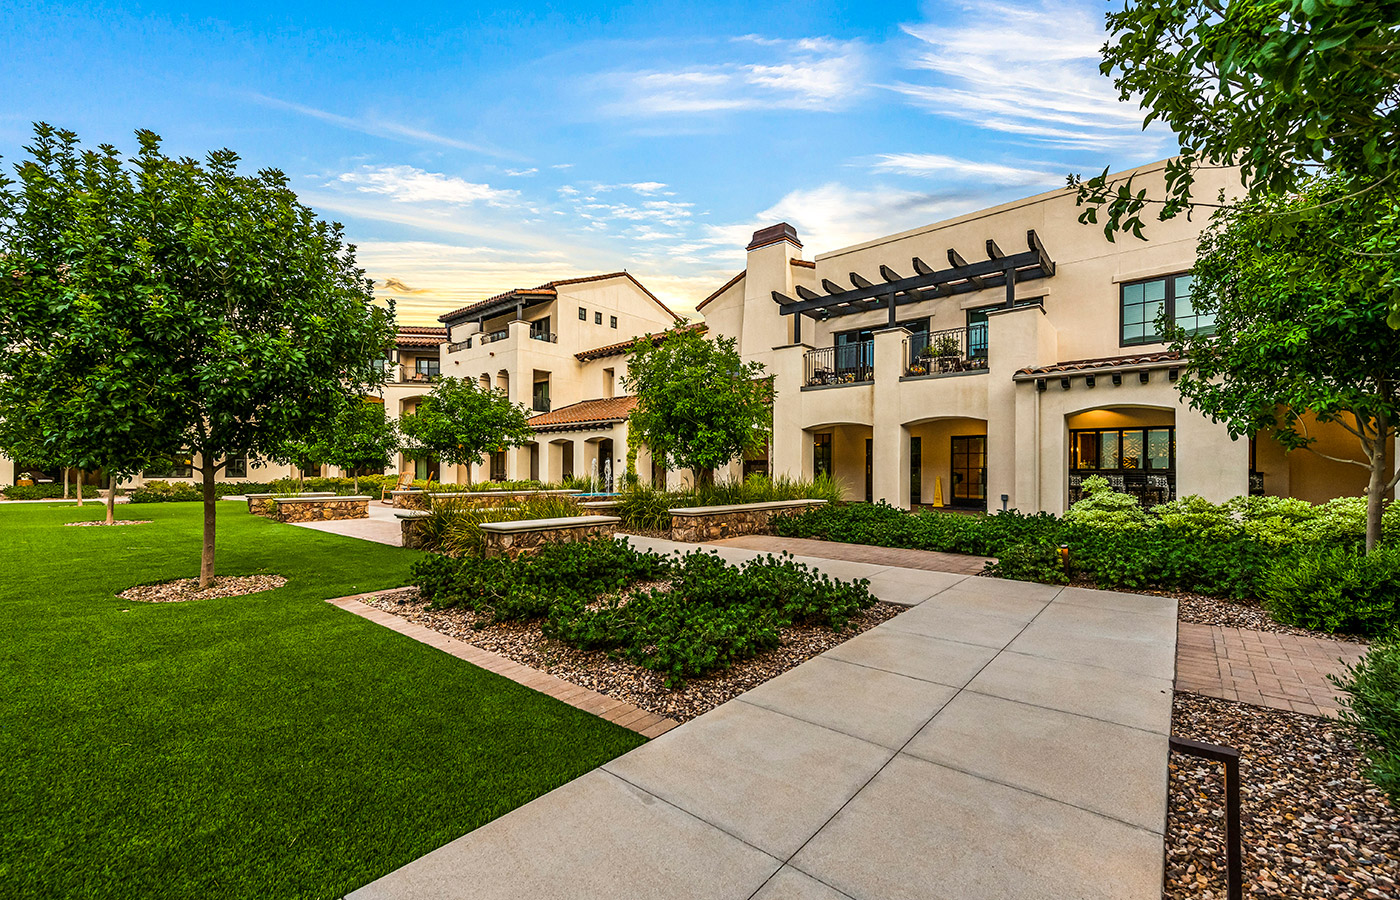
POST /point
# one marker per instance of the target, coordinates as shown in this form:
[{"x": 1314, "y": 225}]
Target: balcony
[
  {"x": 405, "y": 375},
  {"x": 492, "y": 337},
  {"x": 946, "y": 352},
  {"x": 847, "y": 364},
  {"x": 548, "y": 337},
  {"x": 456, "y": 346}
]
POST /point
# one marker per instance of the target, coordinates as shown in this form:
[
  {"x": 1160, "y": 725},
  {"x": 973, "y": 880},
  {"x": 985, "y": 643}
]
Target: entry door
[{"x": 970, "y": 471}]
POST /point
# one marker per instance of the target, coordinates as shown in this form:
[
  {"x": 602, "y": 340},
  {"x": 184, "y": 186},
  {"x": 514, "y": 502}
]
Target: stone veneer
[
  {"x": 320, "y": 509},
  {"x": 258, "y": 505},
  {"x": 410, "y": 527},
  {"x": 711, "y": 523},
  {"x": 528, "y": 535},
  {"x": 419, "y": 499}
]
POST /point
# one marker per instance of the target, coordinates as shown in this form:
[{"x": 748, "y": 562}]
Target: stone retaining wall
[
  {"x": 713, "y": 523},
  {"x": 302, "y": 509},
  {"x": 522, "y": 538},
  {"x": 420, "y": 499},
  {"x": 258, "y": 505},
  {"x": 410, "y": 527}
]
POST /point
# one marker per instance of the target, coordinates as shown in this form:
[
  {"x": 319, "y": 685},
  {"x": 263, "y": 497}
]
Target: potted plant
[{"x": 948, "y": 351}]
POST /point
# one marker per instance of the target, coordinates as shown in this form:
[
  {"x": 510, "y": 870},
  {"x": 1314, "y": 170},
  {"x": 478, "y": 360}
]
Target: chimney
[{"x": 772, "y": 235}]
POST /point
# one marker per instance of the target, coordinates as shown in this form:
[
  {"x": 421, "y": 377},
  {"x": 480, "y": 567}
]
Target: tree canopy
[
  {"x": 1278, "y": 87},
  {"x": 460, "y": 421},
  {"x": 361, "y": 437},
  {"x": 1300, "y": 327},
  {"x": 699, "y": 405},
  {"x": 192, "y": 309}
]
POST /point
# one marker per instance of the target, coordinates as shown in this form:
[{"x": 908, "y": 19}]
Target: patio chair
[{"x": 404, "y": 483}]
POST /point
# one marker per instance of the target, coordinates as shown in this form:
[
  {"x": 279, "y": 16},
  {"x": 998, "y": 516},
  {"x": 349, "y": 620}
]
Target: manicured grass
[{"x": 260, "y": 746}]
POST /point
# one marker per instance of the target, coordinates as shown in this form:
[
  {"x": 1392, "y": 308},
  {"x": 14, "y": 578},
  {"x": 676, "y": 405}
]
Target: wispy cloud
[
  {"x": 406, "y": 184},
  {"x": 521, "y": 173},
  {"x": 811, "y": 74},
  {"x": 379, "y": 127},
  {"x": 950, "y": 168},
  {"x": 1036, "y": 77}
]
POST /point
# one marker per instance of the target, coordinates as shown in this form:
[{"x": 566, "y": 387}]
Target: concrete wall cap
[
  {"x": 411, "y": 513},
  {"x": 524, "y": 525},
  {"x": 329, "y": 499},
  {"x": 276, "y": 496},
  {"x": 741, "y": 507}
]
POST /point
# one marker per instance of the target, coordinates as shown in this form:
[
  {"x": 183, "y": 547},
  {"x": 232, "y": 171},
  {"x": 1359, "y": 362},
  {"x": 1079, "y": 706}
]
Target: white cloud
[
  {"x": 813, "y": 73},
  {"x": 948, "y": 168},
  {"x": 378, "y": 127},
  {"x": 1036, "y": 77},
  {"x": 406, "y": 184},
  {"x": 520, "y": 173}
]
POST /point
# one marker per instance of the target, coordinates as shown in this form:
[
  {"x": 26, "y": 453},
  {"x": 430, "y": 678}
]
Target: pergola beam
[{"x": 973, "y": 276}]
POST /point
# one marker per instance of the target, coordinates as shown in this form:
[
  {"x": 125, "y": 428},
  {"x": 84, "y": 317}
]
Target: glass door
[{"x": 970, "y": 471}]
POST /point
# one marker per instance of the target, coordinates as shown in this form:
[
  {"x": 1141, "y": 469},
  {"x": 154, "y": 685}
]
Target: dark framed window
[
  {"x": 597, "y": 318},
  {"x": 916, "y": 471},
  {"x": 498, "y": 465},
  {"x": 1116, "y": 450},
  {"x": 977, "y": 325},
  {"x": 821, "y": 455},
  {"x": 1142, "y": 304},
  {"x": 182, "y": 467},
  {"x": 429, "y": 368},
  {"x": 539, "y": 397},
  {"x": 539, "y": 329},
  {"x": 582, "y": 314},
  {"x": 612, "y": 321},
  {"x": 869, "y": 470},
  {"x": 236, "y": 466}
]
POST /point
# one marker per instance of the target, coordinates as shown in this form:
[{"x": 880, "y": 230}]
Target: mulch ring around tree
[
  {"x": 524, "y": 643},
  {"x": 117, "y": 522},
  {"x": 1314, "y": 826},
  {"x": 188, "y": 588}
]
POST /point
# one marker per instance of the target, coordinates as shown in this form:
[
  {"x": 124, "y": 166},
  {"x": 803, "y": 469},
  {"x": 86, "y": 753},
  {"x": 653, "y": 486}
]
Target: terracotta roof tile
[
  {"x": 604, "y": 409},
  {"x": 804, "y": 263},
  {"x": 724, "y": 287},
  {"x": 1107, "y": 362},
  {"x": 548, "y": 289},
  {"x": 622, "y": 347},
  {"x": 419, "y": 336}
]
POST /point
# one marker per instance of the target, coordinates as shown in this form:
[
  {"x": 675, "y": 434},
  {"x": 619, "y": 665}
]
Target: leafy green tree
[
  {"x": 1278, "y": 87},
  {"x": 460, "y": 421},
  {"x": 362, "y": 437},
  {"x": 1300, "y": 327},
  {"x": 699, "y": 406},
  {"x": 230, "y": 317}
]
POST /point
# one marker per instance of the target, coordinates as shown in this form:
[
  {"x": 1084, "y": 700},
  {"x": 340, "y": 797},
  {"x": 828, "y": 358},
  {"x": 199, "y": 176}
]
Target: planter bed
[
  {"x": 1313, "y": 825},
  {"x": 524, "y": 643},
  {"x": 417, "y": 499},
  {"x": 697, "y": 524}
]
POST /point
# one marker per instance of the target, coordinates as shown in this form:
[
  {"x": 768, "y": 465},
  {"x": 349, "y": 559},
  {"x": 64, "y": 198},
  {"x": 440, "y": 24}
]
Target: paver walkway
[
  {"x": 962, "y": 563},
  {"x": 382, "y": 526},
  {"x": 1000, "y": 739},
  {"x": 1283, "y": 671}
]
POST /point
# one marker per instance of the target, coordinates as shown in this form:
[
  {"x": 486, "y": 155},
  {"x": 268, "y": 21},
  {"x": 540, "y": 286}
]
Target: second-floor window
[
  {"x": 1144, "y": 303},
  {"x": 236, "y": 466},
  {"x": 612, "y": 321},
  {"x": 427, "y": 368},
  {"x": 597, "y": 318},
  {"x": 582, "y": 314}
]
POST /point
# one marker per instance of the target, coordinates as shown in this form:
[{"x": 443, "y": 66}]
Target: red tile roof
[
  {"x": 622, "y": 347},
  {"x": 548, "y": 289},
  {"x": 1107, "y": 362},
  {"x": 604, "y": 409},
  {"x": 804, "y": 263},
  {"x": 724, "y": 287},
  {"x": 419, "y": 336}
]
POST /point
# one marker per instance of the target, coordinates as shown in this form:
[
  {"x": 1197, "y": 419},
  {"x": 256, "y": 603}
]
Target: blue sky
[{"x": 472, "y": 149}]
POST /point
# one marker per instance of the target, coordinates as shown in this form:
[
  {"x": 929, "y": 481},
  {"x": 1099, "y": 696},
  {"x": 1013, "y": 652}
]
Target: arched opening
[{"x": 1134, "y": 447}]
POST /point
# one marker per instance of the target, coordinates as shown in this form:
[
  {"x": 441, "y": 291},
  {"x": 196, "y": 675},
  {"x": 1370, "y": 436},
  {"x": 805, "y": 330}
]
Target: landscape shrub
[
  {"x": 46, "y": 491},
  {"x": 370, "y": 485},
  {"x": 1029, "y": 561},
  {"x": 1105, "y": 509},
  {"x": 1372, "y": 707},
  {"x": 647, "y": 507},
  {"x": 453, "y": 524},
  {"x": 1335, "y": 589}
]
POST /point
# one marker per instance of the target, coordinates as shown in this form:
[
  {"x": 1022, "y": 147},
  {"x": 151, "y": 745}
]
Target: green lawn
[{"x": 260, "y": 746}]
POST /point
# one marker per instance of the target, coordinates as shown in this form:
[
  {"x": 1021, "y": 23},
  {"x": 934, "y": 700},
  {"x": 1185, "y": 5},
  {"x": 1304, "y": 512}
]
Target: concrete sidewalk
[
  {"x": 1000, "y": 739},
  {"x": 382, "y": 526}
]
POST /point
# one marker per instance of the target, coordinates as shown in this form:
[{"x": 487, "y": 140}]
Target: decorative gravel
[
  {"x": 1313, "y": 825},
  {"x": 117, "y": 522},
  {"x": 188, "y": 588},
  {"x": 524, "y": 643}
]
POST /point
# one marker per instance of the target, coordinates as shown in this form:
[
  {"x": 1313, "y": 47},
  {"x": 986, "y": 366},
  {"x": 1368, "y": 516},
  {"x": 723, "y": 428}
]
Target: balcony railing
[
  {"x": 845, "y": 364},
  {"x": 412, "y": 376},
  {"x": 459, "y": 345},
  {"x": 548, "y": 337},
  {"x": 944, "y": 352}
]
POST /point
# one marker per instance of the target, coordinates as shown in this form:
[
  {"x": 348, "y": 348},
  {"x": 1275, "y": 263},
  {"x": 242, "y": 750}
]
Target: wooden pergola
[{"x": 927, "y": 283}]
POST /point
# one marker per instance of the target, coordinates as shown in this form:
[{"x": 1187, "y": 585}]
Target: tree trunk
[
  {"x": 704, "y": 477},
  {"x": 79, "y": 476},
  {"x": 111, "y": 501},
  {"x": 357, "y": 482},
  {"x": 65, "y": 482},
  {"x": 206, "y": 557}
]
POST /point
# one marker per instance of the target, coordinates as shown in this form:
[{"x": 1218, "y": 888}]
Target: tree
[
  {"x": 361, "y": 437},
  {"x": 699, "y": 406},
  {"x": 1300, "y": 327},
  {"x": 231, "y": 318},
  {"x": 1282, "y": 88},
  {"x": 459, "y": 422}
]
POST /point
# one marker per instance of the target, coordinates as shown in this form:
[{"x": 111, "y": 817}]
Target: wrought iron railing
[
  {"x": 844, "y": 364},
  {"x": 459, "y": 345},
  {"x": 491, "y": 337},
  {"x": 546, "y": 336},
  {"x": 1149, "y": 487},
  {"x": 942, "y": 352},
  {"x": 412, "y": 376}
]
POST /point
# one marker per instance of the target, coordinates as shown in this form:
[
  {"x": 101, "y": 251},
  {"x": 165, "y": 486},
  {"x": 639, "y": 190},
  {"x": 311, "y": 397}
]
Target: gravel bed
[
  {"x": 188, "y": 588},
  {"x": 524, "y": 643},
  {"x": 1313, "y": 825},
  {"x": 103, "y": 523}
]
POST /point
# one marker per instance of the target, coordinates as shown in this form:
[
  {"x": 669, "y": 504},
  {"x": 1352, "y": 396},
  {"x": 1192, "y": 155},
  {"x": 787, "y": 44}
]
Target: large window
[
  {"x": 821, "y": 455},
  {"x": 1117, "y": 450},
  {"x": 498, "y": 465},
  {"x": 236, "y": 466},
  {"x": 1143, "y": 303},
  {"x": 182, "y": 467},
  {"x": 427, "y": 368}
]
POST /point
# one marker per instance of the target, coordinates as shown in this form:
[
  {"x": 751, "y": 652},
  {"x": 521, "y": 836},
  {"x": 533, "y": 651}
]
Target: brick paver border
[
  {"x": 1282, "y": 671},
  {"x": 619, "y": 712}
]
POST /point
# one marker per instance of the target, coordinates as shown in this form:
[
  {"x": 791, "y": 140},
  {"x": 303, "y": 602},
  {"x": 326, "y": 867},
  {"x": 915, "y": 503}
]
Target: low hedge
[
  {"x": 46, "y": 491},
  {"x": 1372, "y": 706},
  {"x": 192, "y": 492},
  {"x": 703, "y": 615}
]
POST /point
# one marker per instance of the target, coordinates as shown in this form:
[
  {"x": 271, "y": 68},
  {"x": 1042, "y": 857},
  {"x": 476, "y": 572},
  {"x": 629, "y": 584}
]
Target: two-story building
[
  {"x": 997, "y": 359},
  {"x": 560, "y": 350}
]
